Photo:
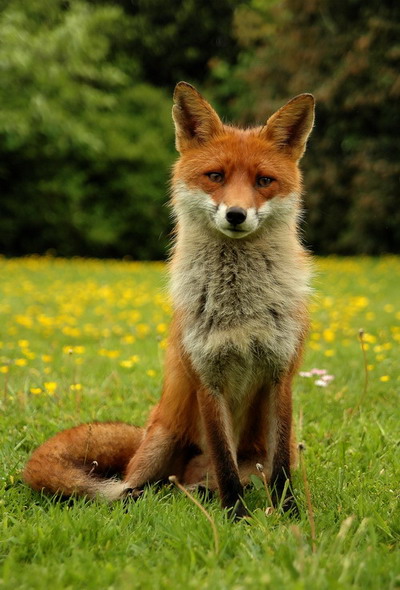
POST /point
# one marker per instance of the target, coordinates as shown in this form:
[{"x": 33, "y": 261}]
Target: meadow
[{"x": 84, "y": 340}]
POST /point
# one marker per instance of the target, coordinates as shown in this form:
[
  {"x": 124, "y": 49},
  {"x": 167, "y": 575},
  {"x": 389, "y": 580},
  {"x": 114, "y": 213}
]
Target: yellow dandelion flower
[
  {"x": 330, "y": 352},
  {"x": 21, "y": 362},
  {"x": 4, "y": 369},
  {"x": 315, "y": 345},
  {"x": 69, "y": 331},
  {"x": 36, "y": 390},
  {"x": 151, "y": 373},
  {"x": 76, "y": 387},
  {"x": 315, "y": 336},
  {"x": 135, "y": 358},
  {"x": 50, "y": 387},
  {"x": 134, "y": 316},
  {"x": 126, "y": 364},
  {"x": 143, "y": 329},
  {"x": 79, "y": 349},
  {"x": 328, "y": 335},
  {"x": 360, "y": 302},
  {"x": 45, "y": 321},
  {"x": 163, "y": 344},
  {"x": 47, "y": 358},
  {"x": 111, "y": 354},
  {"x": 24, "y": 320},
  {"x": 384, "y": 378},
  {"x": 23, "y": 343},
  {"x": 370, "y": 367},
  {"x": 128, "y": 339},
  {"x": 161, "y": 328}
]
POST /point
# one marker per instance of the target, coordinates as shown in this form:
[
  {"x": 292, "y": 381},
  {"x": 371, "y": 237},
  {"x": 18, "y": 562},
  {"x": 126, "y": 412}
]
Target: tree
[
  {"x": 348, "y": 56},
  {"x": 176, "y": 40},
  {"x": 86, "y": 146}
]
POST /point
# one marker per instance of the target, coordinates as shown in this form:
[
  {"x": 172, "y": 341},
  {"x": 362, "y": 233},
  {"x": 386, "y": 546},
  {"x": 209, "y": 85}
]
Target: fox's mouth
[{"x": 235, "y": 232}]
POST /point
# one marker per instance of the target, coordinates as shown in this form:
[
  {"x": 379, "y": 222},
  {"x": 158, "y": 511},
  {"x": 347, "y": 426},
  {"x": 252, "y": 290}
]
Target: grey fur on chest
[
  {"x": 233, "y": 289},
  {"x": 240, "y": 306}
]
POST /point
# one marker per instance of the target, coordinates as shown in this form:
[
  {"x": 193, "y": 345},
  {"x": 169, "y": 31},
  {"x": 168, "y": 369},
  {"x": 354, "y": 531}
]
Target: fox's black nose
[{"x": 236, "y": 215}]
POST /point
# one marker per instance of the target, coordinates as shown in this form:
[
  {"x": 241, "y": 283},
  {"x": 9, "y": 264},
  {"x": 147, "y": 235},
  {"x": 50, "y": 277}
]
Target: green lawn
[{"x": 84, "y": 340}]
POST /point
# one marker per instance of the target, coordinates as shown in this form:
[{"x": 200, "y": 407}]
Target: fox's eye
[
  {"x": 215, "y": 176},
  {"x": 264, "y": 181}
]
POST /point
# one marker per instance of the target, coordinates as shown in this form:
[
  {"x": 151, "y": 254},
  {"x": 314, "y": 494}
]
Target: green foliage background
[{"x": 86, "y": 136}]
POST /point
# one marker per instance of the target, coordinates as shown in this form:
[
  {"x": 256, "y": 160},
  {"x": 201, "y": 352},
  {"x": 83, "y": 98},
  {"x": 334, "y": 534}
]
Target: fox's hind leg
[
  {"x": 171, "y": 428},
  {"x": 154, "y": 460}
]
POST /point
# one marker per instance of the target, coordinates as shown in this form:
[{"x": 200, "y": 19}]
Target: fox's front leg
[
  {"x": 217, "y": 424},
  {"x": 281, "y": 440}
]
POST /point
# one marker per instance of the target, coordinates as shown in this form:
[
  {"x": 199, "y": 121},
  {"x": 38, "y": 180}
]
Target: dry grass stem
[
  {"x": 270, "y": 508},
  {"x": 94, "y": 467},
  {"x": 173, "y": 479}
]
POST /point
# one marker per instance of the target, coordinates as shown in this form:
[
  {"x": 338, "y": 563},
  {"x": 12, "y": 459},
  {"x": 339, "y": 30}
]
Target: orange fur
[{"x": 239, "y": 287}]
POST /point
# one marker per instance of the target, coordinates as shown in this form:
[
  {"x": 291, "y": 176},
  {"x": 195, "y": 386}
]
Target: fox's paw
[
  {"x": 289, "y": 506},
  {"x": 112, "y": 490},
  {"x": 131, "y": 494},
  {"x": 238, "y": 511}
]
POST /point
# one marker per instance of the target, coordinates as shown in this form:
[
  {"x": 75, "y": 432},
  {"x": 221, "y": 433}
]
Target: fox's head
[{"x": 236, "y": 181}]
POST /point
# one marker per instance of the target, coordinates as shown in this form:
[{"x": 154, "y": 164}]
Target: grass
[{"x": 84, "y": 340}]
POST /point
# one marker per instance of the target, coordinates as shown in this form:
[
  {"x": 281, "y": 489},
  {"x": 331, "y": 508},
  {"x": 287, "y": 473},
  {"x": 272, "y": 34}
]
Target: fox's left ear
[
  {"x": 290, "y": 127},
  {"x": 195, "y": 119}
]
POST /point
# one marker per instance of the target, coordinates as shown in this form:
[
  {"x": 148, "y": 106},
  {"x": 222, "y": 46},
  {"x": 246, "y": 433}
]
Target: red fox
[{"x": 239, "y": 285}]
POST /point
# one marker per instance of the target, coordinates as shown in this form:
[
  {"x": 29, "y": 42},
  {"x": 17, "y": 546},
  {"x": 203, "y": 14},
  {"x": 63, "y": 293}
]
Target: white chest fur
[{"x": 241, "y": 301}]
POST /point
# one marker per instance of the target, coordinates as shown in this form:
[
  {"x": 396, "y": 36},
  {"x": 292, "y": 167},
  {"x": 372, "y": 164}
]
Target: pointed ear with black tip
[
  {"x": 290, "y": 127},
  {"x": 195, "y": 120}
]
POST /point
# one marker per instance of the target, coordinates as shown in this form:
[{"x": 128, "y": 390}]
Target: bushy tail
[{"x": 84, "y": 460}]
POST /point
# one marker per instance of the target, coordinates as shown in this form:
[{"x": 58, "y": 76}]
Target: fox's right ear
[
  {"x": 290, "y": 127},
  {"x": 195, "y": 119}
]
